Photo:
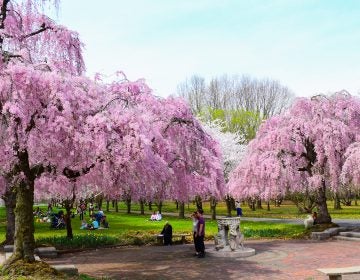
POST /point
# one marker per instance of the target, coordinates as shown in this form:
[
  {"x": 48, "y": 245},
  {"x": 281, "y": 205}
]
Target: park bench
[
  {"x": 336, "y": 273},
  {"x": 181, "y": 236}
]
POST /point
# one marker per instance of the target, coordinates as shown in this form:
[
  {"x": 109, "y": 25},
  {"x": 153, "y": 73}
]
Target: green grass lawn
[{"x": 138, "y": 229}]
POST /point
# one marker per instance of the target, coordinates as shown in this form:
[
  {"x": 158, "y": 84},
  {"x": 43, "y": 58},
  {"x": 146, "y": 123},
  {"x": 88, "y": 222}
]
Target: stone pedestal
[{"x": 229, "y": 242}]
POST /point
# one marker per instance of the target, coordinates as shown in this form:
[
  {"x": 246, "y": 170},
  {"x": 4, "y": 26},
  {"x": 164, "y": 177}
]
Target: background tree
[
  {"x": 265, "y": 97},
  {"x": 232, "y": 151},
  {"x": 302, "y": 149}
]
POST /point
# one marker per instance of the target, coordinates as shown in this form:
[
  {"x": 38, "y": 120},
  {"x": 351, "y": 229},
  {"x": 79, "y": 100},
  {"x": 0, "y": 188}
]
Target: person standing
[
  {"x": 194, "y": 230},
  {"x": 238, "y": 208},
  {"x": 200, "y": 234}
]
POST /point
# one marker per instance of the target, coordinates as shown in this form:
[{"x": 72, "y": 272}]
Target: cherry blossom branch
[{"x": 42, "y": 29}]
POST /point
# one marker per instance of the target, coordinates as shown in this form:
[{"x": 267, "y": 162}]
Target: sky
[{"x": 310, "y": 46}]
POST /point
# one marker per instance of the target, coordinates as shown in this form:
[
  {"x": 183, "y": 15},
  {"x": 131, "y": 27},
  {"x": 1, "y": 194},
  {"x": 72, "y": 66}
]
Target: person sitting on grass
[
  {"x": 158, "y": 216},
  {"x": 84, "y": 225},
  {"x": 153, "y": 216},
  {"x": 94, "y": 224}
]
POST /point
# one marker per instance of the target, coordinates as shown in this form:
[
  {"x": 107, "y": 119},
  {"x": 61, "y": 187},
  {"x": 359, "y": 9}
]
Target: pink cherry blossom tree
[
  {"x": 75, "y": 131},
  {"x": 303, "y": 149},
  {"x": 31, "y": 46}
]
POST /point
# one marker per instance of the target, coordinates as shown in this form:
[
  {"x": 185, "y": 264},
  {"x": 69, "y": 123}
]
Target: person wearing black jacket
[{"x": 167, "y": 232}]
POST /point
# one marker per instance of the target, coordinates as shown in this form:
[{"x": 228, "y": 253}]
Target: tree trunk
[
  {"x": 150, "y": 205},
  {"x": 198, "y": 202},
  {"x": 142, "y": 207},
  {"x": 177, "y": 204},
  {"x": 159, "y": 206},
  {"x": 228, "y": 205},
  {"x": 10, "y": 204},
  {"x": 258, "y": 204},
  {"x": 69, "y": 232},
  {"x": 268, "y": 205},
  {"x": 100, "y": 201},
  {"x": 24, "y": 244},
  {"x": 337, "y": 205},
  {"x": 181, "y": 210},
  {"x": 356, "y": 198},
  {"x": 107, "y": 205},
  {"x": 323, "y": 215},
  {"x": 251, "y": 203},
  {"x": 128, "y": 205},
  {"x": 213, "y": 207},
  {"x": 116, "y": 206}
]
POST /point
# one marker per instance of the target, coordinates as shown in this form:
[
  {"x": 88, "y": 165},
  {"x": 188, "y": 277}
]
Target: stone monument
[{"x": 229, "y": 242}]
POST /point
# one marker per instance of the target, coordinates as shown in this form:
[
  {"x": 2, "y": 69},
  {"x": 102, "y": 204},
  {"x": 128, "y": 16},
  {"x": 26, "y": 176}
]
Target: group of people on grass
[
  {"x": 58, "y": 221},
  {"x": 156, "y": 216},
  {"x": 97, "y": 221}
]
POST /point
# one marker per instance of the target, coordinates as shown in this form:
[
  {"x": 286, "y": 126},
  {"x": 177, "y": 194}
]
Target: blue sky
[{"x": 310, "y": 46}]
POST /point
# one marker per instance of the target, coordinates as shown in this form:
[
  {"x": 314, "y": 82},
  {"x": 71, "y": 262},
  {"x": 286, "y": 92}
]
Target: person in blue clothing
[
  {"x": 94, "y": 224},
  {"x": 238, "y": 208}
]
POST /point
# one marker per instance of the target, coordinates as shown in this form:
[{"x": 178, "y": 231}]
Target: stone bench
[
  {"x": 46, "y": 252},
  {"x": 336, "y": 273},
  {"x": 43, "y": 252},
  {"x": 9, "y": 248},
  {"x": 68, "y": 269},
  {"x": 181, "y": 236}
]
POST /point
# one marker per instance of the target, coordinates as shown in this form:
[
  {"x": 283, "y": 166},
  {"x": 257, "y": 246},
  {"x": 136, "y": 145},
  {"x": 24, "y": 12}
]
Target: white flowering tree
[{"x": 233, "y": 150}]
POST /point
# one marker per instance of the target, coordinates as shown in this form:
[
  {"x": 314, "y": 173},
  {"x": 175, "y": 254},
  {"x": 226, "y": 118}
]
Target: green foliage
[
  {"x": 256, "y": 230},
  {"x": 244, "y": 122},
  {"x": 88, "y": 240}
]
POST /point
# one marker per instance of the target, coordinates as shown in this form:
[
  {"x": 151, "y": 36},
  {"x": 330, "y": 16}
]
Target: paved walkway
[
  {"x": 275, "y": 259},
  {"x": 298, "y": 221}
]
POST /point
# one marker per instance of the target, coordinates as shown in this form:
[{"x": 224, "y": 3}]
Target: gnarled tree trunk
[
  {"x": 323, "y": 212},
  {"x": 24, "y": 244}
]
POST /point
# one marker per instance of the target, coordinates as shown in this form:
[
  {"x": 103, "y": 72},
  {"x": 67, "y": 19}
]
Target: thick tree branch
[
  {"x": 3, "y": 12},
  {"x": 103, "y": 108},
  {"x": 31, "y": 124},
  {"x": 176, "y": 120},
  {"x": 42, "y": 29}
]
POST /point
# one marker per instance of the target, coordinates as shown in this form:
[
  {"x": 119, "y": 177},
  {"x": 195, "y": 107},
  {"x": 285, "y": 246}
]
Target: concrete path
[
  {"x": 275, "y": 259},
  {"x": 340, "y": 222}
]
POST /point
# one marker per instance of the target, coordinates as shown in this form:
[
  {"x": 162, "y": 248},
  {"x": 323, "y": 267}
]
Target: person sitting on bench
[{"x": 167, "y": 232}]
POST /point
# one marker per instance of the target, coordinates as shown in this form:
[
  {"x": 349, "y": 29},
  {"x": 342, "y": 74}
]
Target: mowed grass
[{"x": 136, "y": 229}]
